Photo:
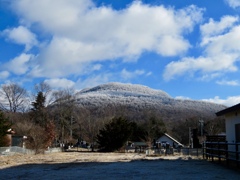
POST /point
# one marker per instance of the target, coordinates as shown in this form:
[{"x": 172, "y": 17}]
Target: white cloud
[
  {"x": 129, "y": 75},
  {"x": 182, "y": 98},
  {"x": 53, "y": 16},
  {"x": 228, "y": 83},
  {"x": 19, "y": 65},
  {"x": 229, "y": 101},
  {"x": 149, "y": 73},
  {"x": 21, "y": 35},
  {"x": 233, "y": 3},
  {"x": 210, "y": 76},
  {"x": 4, "y": 74},
  {"x": 97, "y": 67},
  {"x": 221, "y": 51},
  {"x": 83, "y": 33},
  {"x": 93, "y": 80},
  {"x": 60, "y": 83},
  {"x": 213, "y": 28},
  {"x": 220, "y": 62}
]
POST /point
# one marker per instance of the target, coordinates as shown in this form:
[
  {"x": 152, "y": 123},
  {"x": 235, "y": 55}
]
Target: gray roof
[
  {"x": 170, "y": 137},
  {"x": 229, "y": 110}
]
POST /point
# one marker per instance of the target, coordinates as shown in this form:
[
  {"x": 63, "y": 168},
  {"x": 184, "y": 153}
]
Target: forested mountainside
[{"x": 140, "y": 102}]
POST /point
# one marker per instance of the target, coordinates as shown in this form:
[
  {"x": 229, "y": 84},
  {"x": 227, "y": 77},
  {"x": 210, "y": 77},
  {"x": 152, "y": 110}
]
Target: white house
[
  {"x": 166, "y": 138},
  {"x": 232, "y": 121}
]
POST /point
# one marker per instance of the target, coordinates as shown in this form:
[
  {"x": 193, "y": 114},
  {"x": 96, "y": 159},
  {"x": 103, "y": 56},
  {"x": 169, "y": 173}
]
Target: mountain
[{"x": 139, "y": 102}]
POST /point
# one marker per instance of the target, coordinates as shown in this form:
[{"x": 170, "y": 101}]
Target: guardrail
[
  {"x": 14, "y": 150},
  {"x": 191, "y": 152},
  {"x": 222, "y": 151},
  {"x": 19, "y": 150},
  {"x": 197, "y": 152}
]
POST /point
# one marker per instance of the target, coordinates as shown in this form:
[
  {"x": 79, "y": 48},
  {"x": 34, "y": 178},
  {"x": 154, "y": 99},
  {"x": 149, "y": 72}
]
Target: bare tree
[
  {"x": 14, "y": 97},
  {"x": 63, "y": 105},
  {"x": 39, "y": 138},
  {"x": 215, "y": 126}
]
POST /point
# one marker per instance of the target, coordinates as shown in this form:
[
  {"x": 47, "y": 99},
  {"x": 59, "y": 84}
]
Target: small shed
[
  {"x": 166, "y": 138},
  {"x": 232, "y": 121},
  {"x": 10, "y": 133},
  {"x": 18, "y": 141}
]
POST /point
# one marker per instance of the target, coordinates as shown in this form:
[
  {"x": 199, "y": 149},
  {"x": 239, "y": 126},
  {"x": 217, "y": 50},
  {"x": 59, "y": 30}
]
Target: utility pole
[
  {"x": 189, "y": 136},
  {"x": 71, "y": 127},
  {"x": 201, "y": 122}
]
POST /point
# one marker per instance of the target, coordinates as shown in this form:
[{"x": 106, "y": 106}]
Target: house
[
  {"x": 10, "y": 133},
  {"x": 232, "y": 121},
  {"x": 166, "y": 138},
  {"x": 136, "y": 146},
  {"x": 18, "y": 141},
  {"x": 15, "y": 140}
]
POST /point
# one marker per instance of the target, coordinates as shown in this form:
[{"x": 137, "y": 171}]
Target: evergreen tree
[
  {"x": 39, "y": 113},
  {"x": 114, "y": 135},
  {"x": 5, "y": 125},
  {"x": 139, "y": 133},
  {"x": 154, "y": 128},
  {"x": 39, "y": 104}
]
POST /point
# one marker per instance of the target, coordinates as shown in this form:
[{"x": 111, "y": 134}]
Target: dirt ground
[{"x": 86, "y": 165}]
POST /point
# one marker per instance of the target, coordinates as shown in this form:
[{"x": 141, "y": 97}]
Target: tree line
[{"x": 52, "y": 117}]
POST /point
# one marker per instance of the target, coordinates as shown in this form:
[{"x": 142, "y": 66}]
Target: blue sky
[{"x": 190, "y": 48}]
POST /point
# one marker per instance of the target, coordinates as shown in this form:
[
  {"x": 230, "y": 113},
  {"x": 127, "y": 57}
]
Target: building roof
[
  {"x": 229, "y": 110},
  {"x": 140, "y": 144},
  {"x": 170, "y": 137}
]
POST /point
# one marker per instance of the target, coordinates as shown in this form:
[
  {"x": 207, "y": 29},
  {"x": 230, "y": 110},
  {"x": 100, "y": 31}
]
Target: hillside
[{"x": 137, "y": 102}]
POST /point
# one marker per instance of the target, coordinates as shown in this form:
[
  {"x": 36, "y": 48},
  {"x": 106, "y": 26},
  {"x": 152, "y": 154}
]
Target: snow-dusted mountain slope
[
  {"x": 124, "y": 90},
  {"x": 138, "y": 97}
]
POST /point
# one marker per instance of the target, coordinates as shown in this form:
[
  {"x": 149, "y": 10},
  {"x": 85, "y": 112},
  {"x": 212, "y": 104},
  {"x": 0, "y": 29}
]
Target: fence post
[
  {"x": 207, "y": 150},
  {"x": 203, "y": 144},
  {"x": 211, "y": 145},
  {"x": 226, "y": 150},
  {"x": 237, "y": 156},
  {"x": 219, "y": 158}
]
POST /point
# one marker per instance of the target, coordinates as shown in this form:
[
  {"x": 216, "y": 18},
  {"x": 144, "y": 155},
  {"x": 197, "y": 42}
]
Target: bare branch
[{"x": 13, "y": 97}]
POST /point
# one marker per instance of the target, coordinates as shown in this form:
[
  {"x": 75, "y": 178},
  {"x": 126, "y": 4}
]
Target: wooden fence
[{"x": 222, "y": 152}]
